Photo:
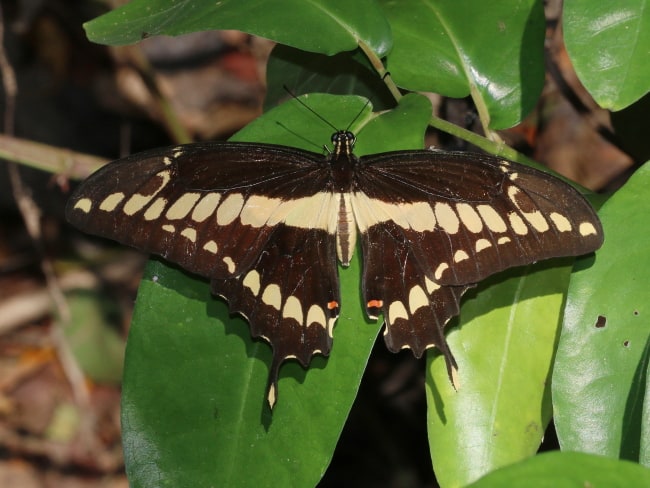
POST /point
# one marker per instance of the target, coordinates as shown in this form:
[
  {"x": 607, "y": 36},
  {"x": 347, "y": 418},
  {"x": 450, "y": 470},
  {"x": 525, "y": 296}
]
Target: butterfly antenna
[
  {"x": 358, "y": 115},
  {"x": 296, "y": 134},
  {"x": 309, "y": 108}
]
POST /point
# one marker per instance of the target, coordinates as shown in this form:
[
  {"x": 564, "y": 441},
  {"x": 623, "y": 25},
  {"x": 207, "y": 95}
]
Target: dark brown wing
[
  {"x": 433, "y": 223},
  {"x": 208, "y": 207},
  {"x": 416, "y": 308},
  {"x": 290, "y": 296},
  {"x": 253, "y": 218}
]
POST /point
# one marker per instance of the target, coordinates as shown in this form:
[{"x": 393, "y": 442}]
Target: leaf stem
[{"x": 496, "y": 146}]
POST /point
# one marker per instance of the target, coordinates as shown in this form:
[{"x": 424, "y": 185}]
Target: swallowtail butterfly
[{"x": 266, "y": 223}]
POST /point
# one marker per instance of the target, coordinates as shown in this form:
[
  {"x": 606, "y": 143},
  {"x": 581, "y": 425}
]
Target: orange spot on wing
[
  {"x": 332, "y": 305},
  {"x": 375, "y": 304}
]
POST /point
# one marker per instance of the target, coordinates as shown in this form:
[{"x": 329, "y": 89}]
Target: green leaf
[
  {"x": 194, "y": 411},
  {"x": 322, "y": 26},
  {"x": 304, "y": 72},
  {"x": 504, "y": 349},
  {"x": 599, "y": 383},
  {"x": 397, "y": 129},
  {"x": 194, "y": 407},
  {"x": 568, "y": 470},
  {"x": 492, "y": 51},
  {"x": 93, "y": 336},
  {"x": 296, "y": 125},
  {"x": 644, "y": 447},
  {"x": 608, "y": 46}
]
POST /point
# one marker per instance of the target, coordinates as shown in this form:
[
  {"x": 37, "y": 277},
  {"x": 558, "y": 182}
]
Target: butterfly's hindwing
[
  {"x": 415, "y": 308},
  {"x": 290, "y": 296}
]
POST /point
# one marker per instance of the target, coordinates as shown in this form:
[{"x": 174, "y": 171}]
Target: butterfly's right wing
[{"x": 434, "y": 223}]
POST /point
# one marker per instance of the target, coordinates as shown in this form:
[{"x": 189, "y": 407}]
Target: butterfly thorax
[{"x": 342, "y": 161}]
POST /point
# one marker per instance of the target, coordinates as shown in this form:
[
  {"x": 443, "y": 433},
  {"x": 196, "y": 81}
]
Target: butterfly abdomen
[{"x": 346, "y": 230}]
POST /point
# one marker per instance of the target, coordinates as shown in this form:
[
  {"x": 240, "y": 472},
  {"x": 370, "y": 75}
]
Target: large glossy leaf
[
  {"x": 293, "y": 124},
  {"x": 97, "y": 346},
  {"x": 322, "y": 26},
  {"x": 341, "y": 74},
  {"x": 504, "y": 347},
  {"x": 492, "y": 51},
  {"x": 644, "y": 445},
  {"x": 599, "y": 384},
  {"x": 608, "y": 46},
  {"x": 568, "y": 470},
  {"x": 194, "y": 407},
  {"x": 194, "y": 411}
]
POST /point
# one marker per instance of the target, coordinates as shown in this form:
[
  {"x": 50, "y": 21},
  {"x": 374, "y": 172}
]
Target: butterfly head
[{"x": 343, "y": 141}]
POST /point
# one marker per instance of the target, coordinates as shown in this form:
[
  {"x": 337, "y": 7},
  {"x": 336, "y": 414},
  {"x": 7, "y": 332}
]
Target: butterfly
[{"x": 266, "y": 224}]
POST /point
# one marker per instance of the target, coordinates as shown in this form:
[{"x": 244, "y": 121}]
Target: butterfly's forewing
[
  {"x": 467, "y": 216},
  {"x": 174, "y": 202}
]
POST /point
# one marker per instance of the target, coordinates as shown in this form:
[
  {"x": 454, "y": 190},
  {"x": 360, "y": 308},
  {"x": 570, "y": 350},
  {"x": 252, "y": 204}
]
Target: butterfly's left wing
[
  {"x": 434, "y": 223},
  {"x": 258, "y": 220}
]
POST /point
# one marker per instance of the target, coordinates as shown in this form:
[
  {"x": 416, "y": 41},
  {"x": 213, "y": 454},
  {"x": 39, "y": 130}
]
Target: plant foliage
[{"x": 193, "y": 405}]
